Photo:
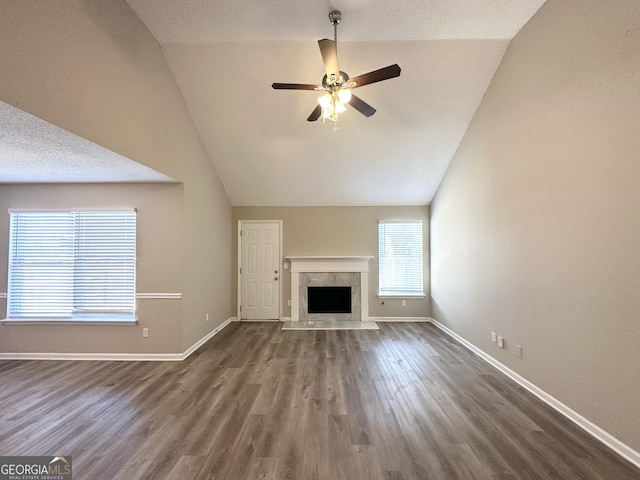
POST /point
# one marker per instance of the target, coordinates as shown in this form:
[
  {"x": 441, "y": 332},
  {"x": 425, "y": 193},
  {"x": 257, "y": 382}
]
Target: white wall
[
  {"x": 535, "y": 227},
  {"x": 341, "y": 231},
  {"x": 159, "y": 265},
  {"x": 92, "y": 68}
]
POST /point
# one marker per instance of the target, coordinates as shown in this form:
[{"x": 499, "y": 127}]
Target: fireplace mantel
[{"x": 329, "y": 264}]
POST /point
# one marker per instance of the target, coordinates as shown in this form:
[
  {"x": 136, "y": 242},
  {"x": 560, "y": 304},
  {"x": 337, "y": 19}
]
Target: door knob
[
  {"x": 276, "y": 278},
  {"x": 276, "y": 271}
]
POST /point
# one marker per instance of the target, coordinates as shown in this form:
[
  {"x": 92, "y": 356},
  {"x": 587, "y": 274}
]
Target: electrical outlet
[
  {"x": 289, "y": 303},
  {"x": 518, "y": 351},
  {"x": 404, "y": 303},
  {"x": 206, "y": 317},
  {"x": 145, "y": 332},
  {"x": 493, "y": 337},
  {"x": 500, "y": 341}
]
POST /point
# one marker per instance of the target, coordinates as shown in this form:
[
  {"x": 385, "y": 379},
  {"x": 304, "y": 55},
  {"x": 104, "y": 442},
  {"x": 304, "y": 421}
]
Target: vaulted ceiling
[{"x": 226, "y": 55}]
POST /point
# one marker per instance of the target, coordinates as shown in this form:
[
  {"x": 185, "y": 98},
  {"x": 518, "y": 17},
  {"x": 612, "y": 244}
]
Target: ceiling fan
[{"x": 336, "y": 84}]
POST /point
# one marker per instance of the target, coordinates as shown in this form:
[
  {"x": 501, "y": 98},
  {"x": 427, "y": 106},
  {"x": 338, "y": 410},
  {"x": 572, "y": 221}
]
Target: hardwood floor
[{"x": 403, "y": 402}]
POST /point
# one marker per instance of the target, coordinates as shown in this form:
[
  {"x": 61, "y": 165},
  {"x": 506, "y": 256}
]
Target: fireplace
[
  {"x": 329, "y": 299},
  {"x": 348, "y": 273}
]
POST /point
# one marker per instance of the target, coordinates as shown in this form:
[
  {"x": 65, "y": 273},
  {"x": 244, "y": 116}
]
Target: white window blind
[
  {"x": 400, "y": 258},
  {"x": 72, "y": 265}
]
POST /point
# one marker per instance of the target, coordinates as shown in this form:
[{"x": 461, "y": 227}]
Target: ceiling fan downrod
[{"x": 334, "y": 17}]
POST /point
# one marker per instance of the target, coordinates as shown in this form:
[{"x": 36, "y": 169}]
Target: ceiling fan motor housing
[{"x": 335, "y": 83}]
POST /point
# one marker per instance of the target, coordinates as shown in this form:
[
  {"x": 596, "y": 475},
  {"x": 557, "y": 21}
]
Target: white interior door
[{"x": 260, "y": 271}]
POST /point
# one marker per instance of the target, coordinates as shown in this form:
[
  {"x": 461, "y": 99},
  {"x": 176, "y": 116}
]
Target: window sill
[
  {"x": 54, "y": 321},
  {"x": 401, "y": 295}
]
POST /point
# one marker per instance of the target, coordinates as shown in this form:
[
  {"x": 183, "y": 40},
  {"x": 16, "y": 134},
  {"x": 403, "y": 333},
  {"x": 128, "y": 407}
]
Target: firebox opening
[{"x": 329, "y": 299}]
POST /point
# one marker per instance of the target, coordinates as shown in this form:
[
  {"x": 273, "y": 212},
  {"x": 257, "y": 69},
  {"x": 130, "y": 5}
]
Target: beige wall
[
  {"x": 92, "y": 68},
  {"x": 339, "y": 231},
  {"x": 159, "y": 268},
  {"x": 535, "y": 228}
]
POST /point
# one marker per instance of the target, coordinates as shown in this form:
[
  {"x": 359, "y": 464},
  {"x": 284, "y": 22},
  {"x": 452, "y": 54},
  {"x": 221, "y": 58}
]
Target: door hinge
[
  {"x": 240, "y": 307},
  {"x": 240, "y": 232},
  {"x": 240, "y": 269}
]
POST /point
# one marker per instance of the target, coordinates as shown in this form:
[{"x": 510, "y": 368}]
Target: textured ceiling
[
  {"x": 266, "y": 153},
  {"x": 225, "y": 55},
  {"x": 208, "y": 21},
  {"x": 35, "y": 151}
]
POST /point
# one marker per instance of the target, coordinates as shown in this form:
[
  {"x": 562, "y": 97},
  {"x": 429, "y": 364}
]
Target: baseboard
[
  {"x": 105, "y": 357},
  {"x": 400, "y": 319},
  {"x": 205, "y": 339},
  {"x": 591, "y": 428},
  {"x": 257, "y": 320},
  {"x": 119, "y": 357},
  {"x": 285, "y": 319}
]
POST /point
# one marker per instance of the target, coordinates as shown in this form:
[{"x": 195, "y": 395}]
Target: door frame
[{"x": 280, "y": 263}]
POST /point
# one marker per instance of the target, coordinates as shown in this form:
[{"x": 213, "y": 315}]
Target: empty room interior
[{"x": 417, "y": 259}]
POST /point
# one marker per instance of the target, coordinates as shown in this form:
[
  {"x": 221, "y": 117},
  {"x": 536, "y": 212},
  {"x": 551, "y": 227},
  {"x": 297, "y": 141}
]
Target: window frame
[
  {"x": 415, "y": 293},
  {"x": 125, "y": 313}
]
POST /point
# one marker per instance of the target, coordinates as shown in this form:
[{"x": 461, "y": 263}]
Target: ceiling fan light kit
[{"x": 336, "y": 84}]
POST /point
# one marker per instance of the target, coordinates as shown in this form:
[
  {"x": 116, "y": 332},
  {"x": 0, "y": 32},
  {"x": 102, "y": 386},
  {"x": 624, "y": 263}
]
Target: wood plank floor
[{"x": 404, "y": 402}]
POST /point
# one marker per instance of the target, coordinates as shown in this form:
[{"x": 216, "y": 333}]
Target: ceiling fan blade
[
  {"x": 362, "y": 106},
  {"x": 293, "y": 86},
  {"x": 315, "y": 114},
  {"x": 385, "y": 73},
  {"x": 329, "y": 53}
]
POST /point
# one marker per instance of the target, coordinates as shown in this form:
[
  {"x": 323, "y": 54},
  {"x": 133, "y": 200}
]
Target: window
[
  {"x": 400, "y": 258},
  {"x": 72, "y": 265}
]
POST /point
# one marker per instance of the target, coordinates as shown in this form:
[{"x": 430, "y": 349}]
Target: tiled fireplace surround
[{"x": 352, "y": 271}]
